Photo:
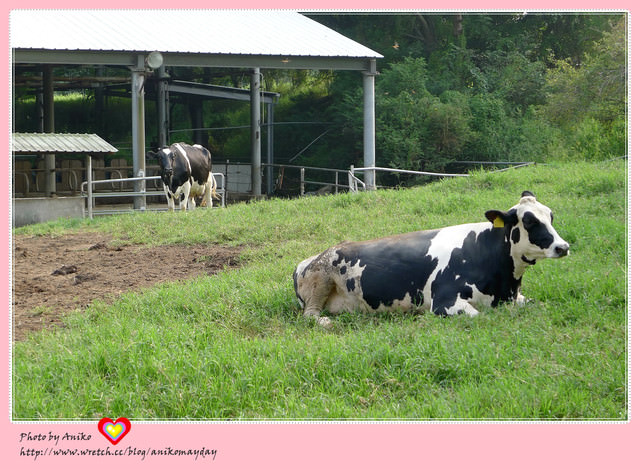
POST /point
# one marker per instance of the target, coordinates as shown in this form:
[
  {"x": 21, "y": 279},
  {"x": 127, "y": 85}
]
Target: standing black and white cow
[
  {"x": 447, "y": 271},
  {"x": 185, "y": 171}
]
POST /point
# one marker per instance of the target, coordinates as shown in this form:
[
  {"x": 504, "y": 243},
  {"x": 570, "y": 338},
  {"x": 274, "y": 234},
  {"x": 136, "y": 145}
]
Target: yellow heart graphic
[{"x": 114, "y": 430}]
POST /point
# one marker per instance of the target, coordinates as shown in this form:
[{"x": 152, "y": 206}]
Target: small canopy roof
[{"x": 60, "y": 143}]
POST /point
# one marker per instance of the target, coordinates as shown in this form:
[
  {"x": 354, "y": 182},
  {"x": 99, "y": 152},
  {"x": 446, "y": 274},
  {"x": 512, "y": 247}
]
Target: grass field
[{"x": 234, "y": 345}]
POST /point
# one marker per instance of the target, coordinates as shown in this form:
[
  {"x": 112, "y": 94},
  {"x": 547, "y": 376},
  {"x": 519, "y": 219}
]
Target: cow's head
[
  {"x": 530, "y": 229},
  {"x": 165, "y": 159}
]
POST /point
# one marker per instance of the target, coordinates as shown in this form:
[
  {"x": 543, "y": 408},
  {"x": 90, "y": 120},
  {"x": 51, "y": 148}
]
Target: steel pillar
[
  {"x": 48, "y": 126},
  {"x": 256, "y": 157},
  {"x": 270, "y": 185},
  {"x": 137, "y": 121},
  {"x": 162, "y": 104},
  {"x": 369, "y": 132}
]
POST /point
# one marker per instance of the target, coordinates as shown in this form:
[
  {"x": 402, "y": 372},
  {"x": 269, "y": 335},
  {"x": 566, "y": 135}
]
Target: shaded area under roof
[{"x": 60, "y": 143}]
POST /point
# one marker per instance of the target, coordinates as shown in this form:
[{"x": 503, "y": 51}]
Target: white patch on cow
[
  {"x": 462, "y": 306},
  {"x": 442, "y": 246},
  {"x": 342, "y": 298},
  {"x": 450, "y": 238},
  {"x": 467, "y": 306},
  {"x": 183, "y": 153},
  {"x": 166, "y": 151},
  {"x": 404, "y": 304},
  {"x": 479, "y": 298}
]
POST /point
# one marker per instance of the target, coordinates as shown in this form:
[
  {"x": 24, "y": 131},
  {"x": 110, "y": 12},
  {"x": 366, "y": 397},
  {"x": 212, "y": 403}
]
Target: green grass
[{"x": 234, "y": 345}]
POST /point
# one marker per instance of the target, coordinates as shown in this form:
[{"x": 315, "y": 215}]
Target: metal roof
[
  {"x": 280, "y": 33},
  {"x": 60, "y": 143}
]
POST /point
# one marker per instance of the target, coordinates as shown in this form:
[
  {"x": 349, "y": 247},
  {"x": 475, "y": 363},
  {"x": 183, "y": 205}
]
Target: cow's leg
[
  {"x": 206, "y": 199},
  {"x": 214, "y": 187},
  {"x": 314, "y": 289},
  {"x": 184, "y": 196},
  {"x": 170, "y": 202}
]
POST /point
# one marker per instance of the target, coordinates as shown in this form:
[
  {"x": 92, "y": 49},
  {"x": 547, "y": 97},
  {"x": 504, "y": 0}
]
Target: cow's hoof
[{"x": 325, "y": 322}]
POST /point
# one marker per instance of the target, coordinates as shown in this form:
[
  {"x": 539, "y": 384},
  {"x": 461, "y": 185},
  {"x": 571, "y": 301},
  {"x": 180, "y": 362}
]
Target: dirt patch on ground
[{"x": 53, "y": 276}]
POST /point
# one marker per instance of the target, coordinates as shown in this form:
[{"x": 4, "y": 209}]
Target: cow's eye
[{"x": 551, "y": 218}]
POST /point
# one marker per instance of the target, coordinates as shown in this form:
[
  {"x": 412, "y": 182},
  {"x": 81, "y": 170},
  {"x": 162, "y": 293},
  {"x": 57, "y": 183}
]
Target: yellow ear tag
[{"x": 498, "y": 222}]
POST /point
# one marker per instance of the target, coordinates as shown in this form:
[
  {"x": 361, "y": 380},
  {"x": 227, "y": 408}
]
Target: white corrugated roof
[
  {"x": 241, "y": 32},
  {"x": 60, "y": 143}
]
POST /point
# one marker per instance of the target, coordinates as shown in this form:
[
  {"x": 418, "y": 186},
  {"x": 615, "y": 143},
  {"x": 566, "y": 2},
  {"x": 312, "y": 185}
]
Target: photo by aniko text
[{"x": 447, "y": 271}]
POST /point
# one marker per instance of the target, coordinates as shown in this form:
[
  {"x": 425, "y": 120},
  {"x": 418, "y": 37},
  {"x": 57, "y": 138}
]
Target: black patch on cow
[
  {"x": 393, "y": 267},
  {"x": 484, "y": 261},
  {"x": 515, "y": 235},
  {"x": 343, "y": 270},
  {"x": 538, "y": 233},
  {"x": 351, "y": 284}
]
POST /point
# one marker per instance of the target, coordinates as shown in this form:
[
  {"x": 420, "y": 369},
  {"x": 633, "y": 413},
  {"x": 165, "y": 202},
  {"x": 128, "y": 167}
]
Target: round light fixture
[{"x": 155, "y": 60}]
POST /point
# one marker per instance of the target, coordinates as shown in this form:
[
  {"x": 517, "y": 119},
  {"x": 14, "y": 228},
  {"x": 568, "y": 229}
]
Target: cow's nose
[{"x": 562, "y": 250}]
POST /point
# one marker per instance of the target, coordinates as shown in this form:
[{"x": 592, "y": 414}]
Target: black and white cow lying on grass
[
  {"x": 447, "y": 271},
  {"x": 185, "y": 171}
]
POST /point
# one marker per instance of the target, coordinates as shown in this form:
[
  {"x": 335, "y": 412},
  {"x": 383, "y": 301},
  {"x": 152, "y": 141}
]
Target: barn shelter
[
  {"x": 147, "y": 41},
  {"x": 40, "y": 209}
]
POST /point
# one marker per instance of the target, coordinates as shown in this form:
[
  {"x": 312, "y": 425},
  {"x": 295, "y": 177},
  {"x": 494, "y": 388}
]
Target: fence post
[
  {"x": 89, "y": 188},
  {"x": 301, "y": 181},
  {"x": 352, "y": 185}
]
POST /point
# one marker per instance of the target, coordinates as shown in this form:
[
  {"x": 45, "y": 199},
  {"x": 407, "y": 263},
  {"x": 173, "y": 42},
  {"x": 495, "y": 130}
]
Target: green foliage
[
  {"x": 234, "y": 345},
  {"x": 505, "y": 87}
]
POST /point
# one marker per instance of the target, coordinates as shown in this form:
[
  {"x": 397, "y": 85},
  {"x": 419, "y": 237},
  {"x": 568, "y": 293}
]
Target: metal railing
[
  {"x": 87, "y": 191},
  {"x": 354, "y": 184},
  {"x": 33, "y": 184},
  {"x": 304, "y": 181},
  {"x": 439, "y": 175}
]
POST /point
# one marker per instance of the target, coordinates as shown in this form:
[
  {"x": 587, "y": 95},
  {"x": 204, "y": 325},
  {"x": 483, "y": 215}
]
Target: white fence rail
[{"x": 88, "y": 191}]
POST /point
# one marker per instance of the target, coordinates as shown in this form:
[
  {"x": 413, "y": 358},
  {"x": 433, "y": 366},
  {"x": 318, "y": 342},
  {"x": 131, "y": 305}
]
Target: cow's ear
[
  {"x": 500, "y": 219},
  {"x": 528, "y": 194},
  {"x": 150, "y": 155}
]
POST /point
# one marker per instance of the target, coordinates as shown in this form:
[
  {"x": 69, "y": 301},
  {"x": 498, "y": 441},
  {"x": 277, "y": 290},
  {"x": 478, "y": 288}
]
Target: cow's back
[{"x": 199, "y": 160}]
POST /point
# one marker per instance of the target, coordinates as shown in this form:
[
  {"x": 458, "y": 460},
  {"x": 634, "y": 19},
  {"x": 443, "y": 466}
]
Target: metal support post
[
  {"x": 270, "y": 186},
  {"x": 369, "y": 132},
  {"x": 89, "y": 188},
  {"x": 137, "y": 119},
  {"x": 256, "y": 157},
  {"x": 162, "y": 104},
  {"x": 48, "y": 123}
]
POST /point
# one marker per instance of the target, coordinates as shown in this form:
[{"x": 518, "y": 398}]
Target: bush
[{"x": 417, "y": 130}]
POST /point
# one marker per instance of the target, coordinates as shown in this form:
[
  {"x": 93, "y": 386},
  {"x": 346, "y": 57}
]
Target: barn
[{"x": 141, "y": 41}]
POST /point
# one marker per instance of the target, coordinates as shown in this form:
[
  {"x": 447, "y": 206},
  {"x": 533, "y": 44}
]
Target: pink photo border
[{"x": 333, "y": 444}]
